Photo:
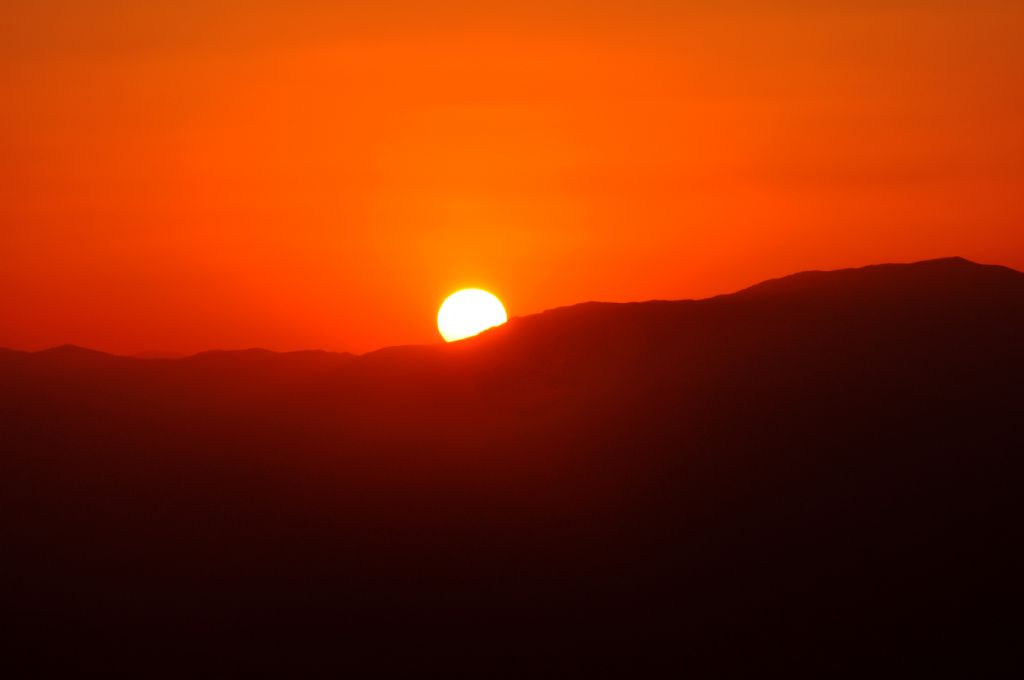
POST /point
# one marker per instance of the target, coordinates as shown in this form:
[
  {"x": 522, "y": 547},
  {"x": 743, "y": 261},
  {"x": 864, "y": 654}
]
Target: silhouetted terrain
[{"x": 823, "y": 469}]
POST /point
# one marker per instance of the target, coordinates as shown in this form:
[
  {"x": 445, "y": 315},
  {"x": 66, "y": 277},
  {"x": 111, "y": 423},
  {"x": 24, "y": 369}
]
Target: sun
[{"x": 468, "y": 312}]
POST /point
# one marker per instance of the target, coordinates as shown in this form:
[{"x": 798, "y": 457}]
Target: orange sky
[{"x": 207, "y": 174}]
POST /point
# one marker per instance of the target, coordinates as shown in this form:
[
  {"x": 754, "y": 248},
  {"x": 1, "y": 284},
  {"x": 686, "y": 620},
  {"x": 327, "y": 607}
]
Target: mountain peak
[
  {"x": 936, "y": 275},
  {"x": 71, "y": 351}
]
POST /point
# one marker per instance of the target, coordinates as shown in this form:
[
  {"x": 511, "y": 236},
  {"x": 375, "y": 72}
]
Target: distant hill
[{"x": 823, "y": 469}]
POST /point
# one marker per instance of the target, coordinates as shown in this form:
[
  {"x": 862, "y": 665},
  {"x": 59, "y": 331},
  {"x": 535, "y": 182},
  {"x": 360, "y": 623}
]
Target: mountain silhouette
[{"x": 817, "y": 471}]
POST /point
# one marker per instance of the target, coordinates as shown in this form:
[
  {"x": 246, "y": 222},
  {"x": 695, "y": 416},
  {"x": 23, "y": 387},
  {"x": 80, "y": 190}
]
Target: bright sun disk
[{"x": 468, "y": 312}]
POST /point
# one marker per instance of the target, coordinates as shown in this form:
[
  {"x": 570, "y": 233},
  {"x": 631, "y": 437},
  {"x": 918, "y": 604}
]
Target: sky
[{"x": 199, "y": 174}]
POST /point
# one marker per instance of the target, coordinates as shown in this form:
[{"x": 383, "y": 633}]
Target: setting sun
[
  {"x": 731, "y": 306},
  {"x": 469, "y": 312}
]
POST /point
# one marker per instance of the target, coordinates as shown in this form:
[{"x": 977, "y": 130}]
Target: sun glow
[{"x": 469, "y": 312}]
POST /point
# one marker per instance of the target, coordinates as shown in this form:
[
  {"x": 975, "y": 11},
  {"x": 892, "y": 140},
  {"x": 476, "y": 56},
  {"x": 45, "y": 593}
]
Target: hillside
[{"x": 826, "y": 465}]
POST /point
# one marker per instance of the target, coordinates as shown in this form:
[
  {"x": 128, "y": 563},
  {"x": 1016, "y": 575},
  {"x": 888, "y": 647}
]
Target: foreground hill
[{"x": 825, "y": 466}]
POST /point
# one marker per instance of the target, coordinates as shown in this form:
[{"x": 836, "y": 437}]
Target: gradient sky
[{"x": 200, "y": 174}]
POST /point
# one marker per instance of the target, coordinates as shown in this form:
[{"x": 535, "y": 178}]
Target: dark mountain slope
[{"x": 825, "y": 468}]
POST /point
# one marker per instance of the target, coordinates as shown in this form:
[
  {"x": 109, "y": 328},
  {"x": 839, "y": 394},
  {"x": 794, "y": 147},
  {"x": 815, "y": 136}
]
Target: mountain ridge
[
  {"x": 790, "y": 283},
  {"x": 826, "y": 468}
]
